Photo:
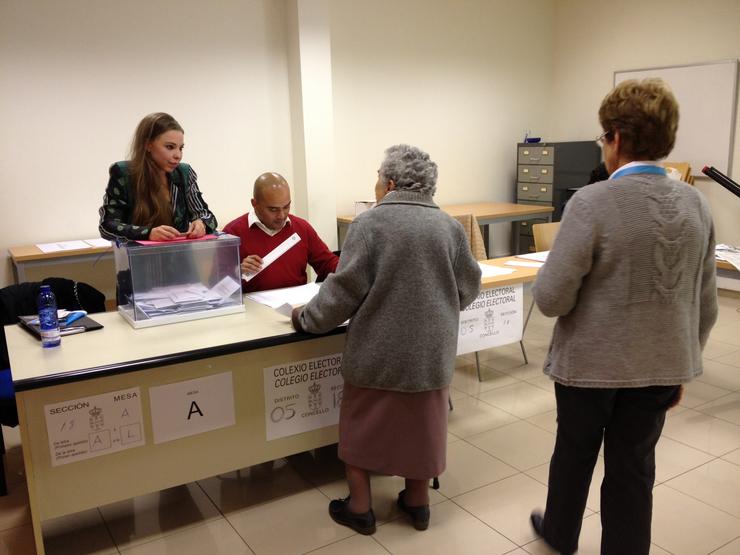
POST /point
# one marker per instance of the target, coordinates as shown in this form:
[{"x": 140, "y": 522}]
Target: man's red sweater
[{"x": 290, "y": 269}]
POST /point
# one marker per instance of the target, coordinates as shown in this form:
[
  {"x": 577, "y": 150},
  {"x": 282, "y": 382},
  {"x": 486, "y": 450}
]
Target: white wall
[
  {"x": 462, "y": 80},
  {"x": 77, "y": 76},
  {"x": 593, "y": 38}
]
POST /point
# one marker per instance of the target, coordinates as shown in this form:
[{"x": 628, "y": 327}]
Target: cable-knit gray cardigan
[
  {"x": 405, "y": 272},
  {"x": 631, "y": 277}
]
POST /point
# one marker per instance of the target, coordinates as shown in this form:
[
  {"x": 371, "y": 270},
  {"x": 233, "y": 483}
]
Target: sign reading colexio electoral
[
  {"x": 494, "y": 318},
  {"x": 302, "y": 395}
]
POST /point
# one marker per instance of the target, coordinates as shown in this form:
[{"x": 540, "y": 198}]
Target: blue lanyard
[{"x": 638, "y": 169}]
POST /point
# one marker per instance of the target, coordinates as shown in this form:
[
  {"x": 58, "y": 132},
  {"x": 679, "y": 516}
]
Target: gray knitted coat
[
  {"x": 405, "y": 272},
  {"x": 631, "y": 277}
]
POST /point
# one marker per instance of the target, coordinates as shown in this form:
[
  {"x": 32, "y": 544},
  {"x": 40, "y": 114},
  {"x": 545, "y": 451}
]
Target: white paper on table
[
  {"x": 733, "y": 258},
  {"x": 491, "y": 271},
  {"x": 285, "y": 309},
  {"x": 62, "y": 246},
  {"x": 274, "y": 254},
  {"x": 98, "y": 242},
  {"x": 524, "y": 263},
  {"x": 538, "y": 256},
  {"x": 728, "y": 253},
  {"x": 293, "y": 296}
]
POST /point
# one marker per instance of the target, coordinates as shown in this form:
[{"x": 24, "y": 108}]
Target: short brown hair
[{"x": 646, "y": 115}]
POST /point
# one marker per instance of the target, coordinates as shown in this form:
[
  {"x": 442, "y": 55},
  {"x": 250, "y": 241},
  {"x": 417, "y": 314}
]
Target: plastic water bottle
[{"x": 48, "y": 321}]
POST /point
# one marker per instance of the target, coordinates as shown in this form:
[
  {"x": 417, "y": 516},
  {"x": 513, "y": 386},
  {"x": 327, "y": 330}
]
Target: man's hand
[
  {"x": 251, "y": 264},
  {"x": 163, "y": 233}
]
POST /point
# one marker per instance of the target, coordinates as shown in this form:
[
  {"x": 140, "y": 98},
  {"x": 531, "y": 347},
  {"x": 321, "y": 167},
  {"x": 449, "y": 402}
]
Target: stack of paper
[
  {"x": 491, "y": 271},
  {"x": 181, "y": 299},
  {"x": 286, "y": 299},
  {"x": 538, "y": 256},
  {"x": 72, "y": 245},
  {"x": 728, "y": 253}
]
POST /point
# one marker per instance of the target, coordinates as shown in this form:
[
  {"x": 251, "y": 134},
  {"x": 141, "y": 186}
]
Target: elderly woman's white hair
[{"x": 410, "y": 168}]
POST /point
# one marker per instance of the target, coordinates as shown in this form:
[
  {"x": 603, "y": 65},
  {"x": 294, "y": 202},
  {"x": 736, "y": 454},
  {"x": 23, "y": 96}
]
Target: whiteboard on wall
[{"x": 707, "y": 97}]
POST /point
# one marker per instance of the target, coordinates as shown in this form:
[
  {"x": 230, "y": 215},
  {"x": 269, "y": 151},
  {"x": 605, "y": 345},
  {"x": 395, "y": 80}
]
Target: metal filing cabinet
[{"x": 545, "y": 172}]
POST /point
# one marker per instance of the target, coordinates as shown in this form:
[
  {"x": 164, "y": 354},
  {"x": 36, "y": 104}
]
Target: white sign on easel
[
  {"x": 192, "y": 407},
  {"x": 494, "y": 318},
  {"x": 303, "y": 395},
  {"x": 92, "y": 426}
]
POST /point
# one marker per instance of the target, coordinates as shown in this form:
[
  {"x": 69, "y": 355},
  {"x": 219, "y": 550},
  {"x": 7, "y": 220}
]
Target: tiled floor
[{"x": 500, "y": 441}]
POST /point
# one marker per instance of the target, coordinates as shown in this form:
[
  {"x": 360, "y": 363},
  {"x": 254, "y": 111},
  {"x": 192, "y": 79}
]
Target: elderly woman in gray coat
[{"x": 405, "y": 272}]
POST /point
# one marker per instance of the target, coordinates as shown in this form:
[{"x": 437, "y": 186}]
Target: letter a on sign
[{"x": 193, "y": 409}]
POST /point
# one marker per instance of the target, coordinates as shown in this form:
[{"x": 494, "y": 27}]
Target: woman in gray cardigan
[
  {"x": 631, "y": 278},
  {"x": 405, "y": 273}
]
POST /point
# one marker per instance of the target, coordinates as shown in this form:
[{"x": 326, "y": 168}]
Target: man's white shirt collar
[{"x": 252, "y": 219}]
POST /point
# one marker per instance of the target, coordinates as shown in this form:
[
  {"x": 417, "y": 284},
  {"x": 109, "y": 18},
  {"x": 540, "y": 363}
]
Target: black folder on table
[{"x": 80, "y": 325}]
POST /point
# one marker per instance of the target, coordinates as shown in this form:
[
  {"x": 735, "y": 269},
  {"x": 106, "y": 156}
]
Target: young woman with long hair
[{"x": 154, "y": 195}]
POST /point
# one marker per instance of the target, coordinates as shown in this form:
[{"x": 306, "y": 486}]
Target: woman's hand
[
  {"x": 295, "y": 318},
  {"x": 251, "y": 264},
  {"x": 196, "y": 229},
  {"x": 163, "y": 233}
]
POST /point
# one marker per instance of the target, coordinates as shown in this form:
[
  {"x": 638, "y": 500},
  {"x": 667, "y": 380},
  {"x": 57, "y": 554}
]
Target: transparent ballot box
[{"x": 164, "y": 283}]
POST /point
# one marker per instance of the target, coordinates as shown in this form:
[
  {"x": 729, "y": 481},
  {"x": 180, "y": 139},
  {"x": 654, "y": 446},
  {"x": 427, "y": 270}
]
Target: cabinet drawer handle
[
  {"x": 545, "y": 152},
  {"x": 543, "y": 172},
  {"x": 543, "y": 189},
  {"x": 526, "y": 153},
  {"x": 525, "y": 188}
]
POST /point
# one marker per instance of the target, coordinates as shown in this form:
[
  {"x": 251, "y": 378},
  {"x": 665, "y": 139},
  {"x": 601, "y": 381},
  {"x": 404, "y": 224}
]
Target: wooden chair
[
  {"x": 475, "y": 237},
  {"x": 544, "y": 235}
]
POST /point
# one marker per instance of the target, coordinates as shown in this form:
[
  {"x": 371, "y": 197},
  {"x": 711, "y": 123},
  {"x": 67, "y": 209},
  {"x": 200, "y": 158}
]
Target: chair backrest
[
  {"x": 475, "y": 237},
  {"x": 544, "y": 235}
]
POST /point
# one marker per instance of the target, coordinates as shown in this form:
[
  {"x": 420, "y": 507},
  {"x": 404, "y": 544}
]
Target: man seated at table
[{"x": 266, "y": 227}]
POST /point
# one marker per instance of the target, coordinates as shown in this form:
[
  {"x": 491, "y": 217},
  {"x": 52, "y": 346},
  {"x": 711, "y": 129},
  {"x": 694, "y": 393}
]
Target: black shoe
[
  {"x": 419, "y": 515},
  {"x": 362, "y": 523},
  {"x": 537, "y": 520}
]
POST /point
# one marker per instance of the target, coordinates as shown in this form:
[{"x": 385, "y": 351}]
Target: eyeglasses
[{"x": 604, "y": 137}]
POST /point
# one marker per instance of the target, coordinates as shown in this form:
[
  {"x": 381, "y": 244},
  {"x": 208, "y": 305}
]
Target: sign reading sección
[
  {"x": 303, "y": 395},
  {"x": 83, "y": 428}
]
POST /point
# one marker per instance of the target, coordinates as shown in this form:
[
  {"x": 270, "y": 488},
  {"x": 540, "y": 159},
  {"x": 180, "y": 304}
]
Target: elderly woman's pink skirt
[{"x": 394, "y": 433}]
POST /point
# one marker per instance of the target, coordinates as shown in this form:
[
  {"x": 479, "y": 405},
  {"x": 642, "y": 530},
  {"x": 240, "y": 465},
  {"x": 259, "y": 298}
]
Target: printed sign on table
[
  {"x": 89, "y": 427},
  {"x": 192, "y": 407},
  {"x": 494, "y": 318},
  {"x": 303, "y": 395}
]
